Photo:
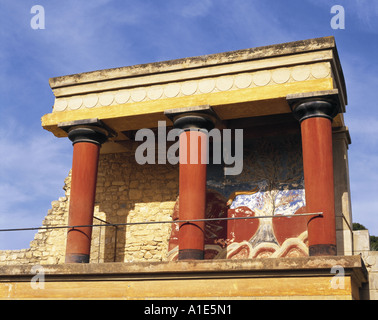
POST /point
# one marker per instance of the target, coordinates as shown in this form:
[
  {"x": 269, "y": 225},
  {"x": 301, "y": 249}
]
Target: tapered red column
[
  {"x": 86, "y": 146},
  {"x": 316, "y": 128},
  {"x": 192, "y": 194},
  {"x": 192, "y": 184}
]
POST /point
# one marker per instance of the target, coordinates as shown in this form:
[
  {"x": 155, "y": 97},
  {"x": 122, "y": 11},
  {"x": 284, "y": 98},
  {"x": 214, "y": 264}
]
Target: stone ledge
[
  {"x": 196, "y": 62},
  {"x": 281, "y": 278},
  {"x": 268, "y": 267}
]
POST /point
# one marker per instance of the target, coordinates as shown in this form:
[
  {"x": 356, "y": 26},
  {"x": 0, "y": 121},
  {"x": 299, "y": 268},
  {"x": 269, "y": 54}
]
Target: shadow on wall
[
  {"x": 127, "y": 193},
  {"x": 271, "y": 183}
]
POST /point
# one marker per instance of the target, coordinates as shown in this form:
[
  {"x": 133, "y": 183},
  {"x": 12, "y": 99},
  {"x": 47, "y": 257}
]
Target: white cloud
[
  {"x": 195, "y": 8},
  {"x": 365, "y": 213},
  {"x": 363, "y": 12},
  {"x": 362, "y": 121},
  {"x": 31, "y": 157},
  {"x": 364, "y": 187},
  {"x": 368, "y": 127},
  {"x": 80, "y": 36},
  {"x": 256, "y": 22},
  {"x": 366, "y": 11},
  {"x": 33, "y": 166}
]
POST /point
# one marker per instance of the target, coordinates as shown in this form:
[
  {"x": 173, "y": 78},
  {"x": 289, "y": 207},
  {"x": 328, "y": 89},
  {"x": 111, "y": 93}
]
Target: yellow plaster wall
[{"x": 227, "y": 288}]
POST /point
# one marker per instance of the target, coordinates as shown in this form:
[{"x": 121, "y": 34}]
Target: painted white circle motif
[
  {"x": 281, "y": 75},
  {"x": 106, "y": 99},
  {"x": 189, "y": 87},
  {"x": 122, "y": 97},
  {"x": 261, "y": 78},
  {"x": 138, "y": 95},
  {"x": 225, "y": 83},
  {"x": 155, "y": 93},
  {"x": 319, "y": 71},
  {"x": 300, "y": 73},
  {"x": 90, "y": 101},
  {"x": 243, "y": 81},
  {"x": 172, "y": 90},
  {"x": 206, "y": 85},
  {"x": 75, "y": 103},
  {"x": 60, "y": 105}
]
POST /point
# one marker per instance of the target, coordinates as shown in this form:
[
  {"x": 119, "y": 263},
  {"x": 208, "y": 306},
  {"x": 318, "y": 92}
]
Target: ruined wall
[
  {"x": 361, "y": 243},
  {"x": 126, "y": 192},
  {"x": 48, "y": 246},
  {"x": 129, "y": 193}
]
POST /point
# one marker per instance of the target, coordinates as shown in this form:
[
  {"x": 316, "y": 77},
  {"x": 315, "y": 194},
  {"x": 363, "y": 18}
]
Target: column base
[
  {"x": 191, "y": 254},
  {"x": 323, "y": 250},
  {"x": 77, "y": 258}
]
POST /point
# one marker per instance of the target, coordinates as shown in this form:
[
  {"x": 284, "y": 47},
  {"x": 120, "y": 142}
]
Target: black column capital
[
  {"x": 90, "y": 130},
  {"x": 323, "y": 104},
  {"x": 200, "y": 117},
  {"x": 90, "y": 134},
  {"x": 314, "y": 109}
]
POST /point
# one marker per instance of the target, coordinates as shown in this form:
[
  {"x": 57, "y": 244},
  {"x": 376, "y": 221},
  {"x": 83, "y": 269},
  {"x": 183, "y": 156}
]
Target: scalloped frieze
[{"x": 208, "y": 85}]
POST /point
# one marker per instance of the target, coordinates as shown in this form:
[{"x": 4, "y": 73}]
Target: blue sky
[{"x": 81, "y": 36}]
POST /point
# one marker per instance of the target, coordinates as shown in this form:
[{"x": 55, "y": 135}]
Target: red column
[
  {"x": 86, "y": 147},
  {"x": 316, "y": 129},
  {"x": 319, "y": 187},
  {"x": 195, "y": 122},
  {"x": 192, "y": 194}
]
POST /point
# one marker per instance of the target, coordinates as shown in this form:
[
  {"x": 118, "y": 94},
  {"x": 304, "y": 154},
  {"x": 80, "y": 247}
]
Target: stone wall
[
  {"x": 361, "y": 239},
  {"x": 126, "y": 193},
  {"x": 130, "y": 193},
  {"x": 48, "y": 245}
]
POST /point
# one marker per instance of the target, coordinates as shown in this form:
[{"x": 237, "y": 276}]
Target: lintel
[{"x": 239, "y": 84}]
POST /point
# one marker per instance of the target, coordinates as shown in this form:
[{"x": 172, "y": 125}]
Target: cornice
[{"x": 195, "y": 86}]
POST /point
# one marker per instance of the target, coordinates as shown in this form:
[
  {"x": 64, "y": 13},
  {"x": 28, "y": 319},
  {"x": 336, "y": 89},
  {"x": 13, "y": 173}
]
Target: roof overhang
[{"x": 239, "y": 84}]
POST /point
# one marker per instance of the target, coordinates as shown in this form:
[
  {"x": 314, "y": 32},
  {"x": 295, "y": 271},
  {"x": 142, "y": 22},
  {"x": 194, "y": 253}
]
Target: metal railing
[
  {"x": 157, "y": 222},
  {"x": 117, "y": 225}
]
